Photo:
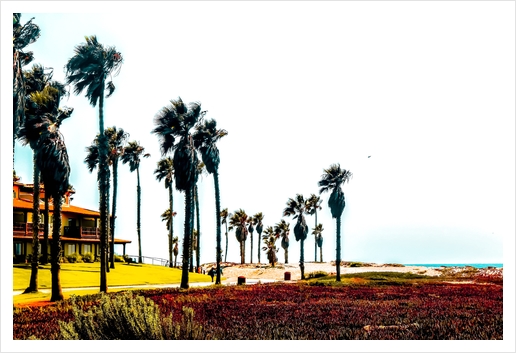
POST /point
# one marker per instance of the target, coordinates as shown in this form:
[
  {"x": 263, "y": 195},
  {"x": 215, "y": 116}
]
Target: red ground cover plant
[{"x": 437, "y": 311}]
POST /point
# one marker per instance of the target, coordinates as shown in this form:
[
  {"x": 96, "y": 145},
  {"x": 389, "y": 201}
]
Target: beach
[{"x": 265, "y": 272}]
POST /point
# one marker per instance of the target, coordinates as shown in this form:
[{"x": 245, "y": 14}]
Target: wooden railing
[{"x": 22, "y": 228}]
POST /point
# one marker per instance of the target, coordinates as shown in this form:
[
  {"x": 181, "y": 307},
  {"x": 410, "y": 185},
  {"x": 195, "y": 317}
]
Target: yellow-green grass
[{"x": 84, "y": 275}]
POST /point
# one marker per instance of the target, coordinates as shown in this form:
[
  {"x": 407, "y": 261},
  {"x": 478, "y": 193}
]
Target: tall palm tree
[
  {"x": 331, "y": 180},
  {"x": 224, "y": 220},
  {"x": 168, "y": 216},
  {"x": 41, "y": 110},
  {"x": 175, "y": 121},
  {"x": 52, "y": 160},
  {"x": 116, "y": 139},
  {"x": 314, "y": 203},
  {"x": 205, "y": 138},
  {"x": 269, "y": 240},
  {"x": 251, "y": 223},
  {"x": 298, "y": 207},
  {"x": 239, "y": 221},
  {"x": 165, "y": 171},
  {"x": 23, "y": 35},
  {"x": 317, "y": 232},
  {"x": 133, "y": 152},
  {"x": 282, "y": 229},
  {"x": 88, "y": 70},
  {"x": 175, "y": 241},
  {"x": 201, "y": 170},
  {"x": 258, "y": 218}
]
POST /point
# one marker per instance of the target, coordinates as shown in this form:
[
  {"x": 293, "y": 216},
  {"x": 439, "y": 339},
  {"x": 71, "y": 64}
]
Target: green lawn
[{"x": 81, "y": 275}]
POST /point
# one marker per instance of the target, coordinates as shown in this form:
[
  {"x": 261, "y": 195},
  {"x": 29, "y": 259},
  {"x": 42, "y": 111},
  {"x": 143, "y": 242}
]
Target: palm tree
[
  {"x": 22, "y": 37},
  {"x": 52, "y": 160},
  {"x": 317, "y": 232},
  {"x": 205, "y": 138},
  {"x": 282, "y": 229},
  {"x": 168, "y": 216},
  {"x": 175, "y": 241},
  {"x": 133, "y": 152},
  {"x": 165, "y": 171},
  {"x": 269, "y": 239},
  {"x": 332, "y": 179},
  {"x": 314, "y": 203},
  {"x": 116, "y": 139},
  {"x": 201, "y": 170},
  {"x": 239, "y": 221},
  {"x": 42, "y": 110},
  {"x": 258, "y": 218},
  {"x": 175, "y": 121},
  {"x": 224, "y": 220},
  {"x": 89, "y": 69},
  {"x": 251, "y": 222},
  {"x": 298, "y": 207}
]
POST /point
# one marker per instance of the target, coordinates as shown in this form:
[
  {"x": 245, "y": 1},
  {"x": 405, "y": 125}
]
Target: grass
[{"x": 83, "y": 275}]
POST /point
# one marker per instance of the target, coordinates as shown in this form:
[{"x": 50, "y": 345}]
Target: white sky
[{"x": 425, "y": 88}]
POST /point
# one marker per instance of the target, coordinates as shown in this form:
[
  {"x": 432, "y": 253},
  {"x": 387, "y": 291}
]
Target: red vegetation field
[{"x": 432, "y": 311}]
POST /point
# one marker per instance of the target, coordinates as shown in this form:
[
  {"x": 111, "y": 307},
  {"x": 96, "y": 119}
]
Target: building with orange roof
[{"x": 80, "y": 231}]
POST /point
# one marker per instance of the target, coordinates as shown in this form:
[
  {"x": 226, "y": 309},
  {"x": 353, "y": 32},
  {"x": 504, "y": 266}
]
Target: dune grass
[{"x": 84, "y": 275}]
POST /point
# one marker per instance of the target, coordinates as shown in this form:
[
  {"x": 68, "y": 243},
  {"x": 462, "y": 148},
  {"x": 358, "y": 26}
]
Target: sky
[{"x": 416, "y": 99}]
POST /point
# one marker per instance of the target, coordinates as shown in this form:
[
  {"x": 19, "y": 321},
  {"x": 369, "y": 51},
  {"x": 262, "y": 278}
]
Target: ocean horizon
[{"x": 497, "y": 265}]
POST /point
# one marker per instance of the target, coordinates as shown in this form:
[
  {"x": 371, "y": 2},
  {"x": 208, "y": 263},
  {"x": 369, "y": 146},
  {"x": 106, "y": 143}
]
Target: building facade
[{"x": 79, "y": 231}]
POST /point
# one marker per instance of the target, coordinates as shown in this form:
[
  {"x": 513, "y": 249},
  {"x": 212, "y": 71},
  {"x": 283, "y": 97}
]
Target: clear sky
[{"x": 426, "y": 89}]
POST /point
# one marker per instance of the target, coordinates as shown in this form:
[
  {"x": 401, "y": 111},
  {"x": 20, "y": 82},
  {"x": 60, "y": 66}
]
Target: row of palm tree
[{"x": 182, "y": 132}]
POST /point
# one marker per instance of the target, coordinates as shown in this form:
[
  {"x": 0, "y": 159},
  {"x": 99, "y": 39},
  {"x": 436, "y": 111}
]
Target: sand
[{"x": 231, "y": 271}]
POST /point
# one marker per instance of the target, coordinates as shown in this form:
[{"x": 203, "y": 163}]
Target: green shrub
[
  {"x": 126, "y": 316},
  {"x": 88, "y": 257},
  {"x": 316, "y": 274},
  {"x": 119, "y": 258},
  {"x": 74, "y": 258}
]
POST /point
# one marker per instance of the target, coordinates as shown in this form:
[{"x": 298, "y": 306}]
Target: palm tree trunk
[
  {"x": 33, "y": 283},
  {"x": 315, "y": 235},
  {"x": 302, "y": 259},
  {"x": 171, "y": 229},
  {"x": 227, "y": 242},
  {"x": 103, "y": 180},
  {"x": 217, "y": 214},
  {"x": 286, "y": 256},
  {"x": 337, "y": 261},
  {"x": 57, "y": 292},
  {"x": 320, "y": 253},
  {"x": 241, "y": 252},
  {"x": 259, "y": 237},
  {"x": 44, "y": 248},
  {"x": 198, "y": 251},
  {"x": 251, "y": 248},
  {"x": 113, "y": 213},
  {"x": 186, "y": 239},
  {"x": 138, "y": 214}
]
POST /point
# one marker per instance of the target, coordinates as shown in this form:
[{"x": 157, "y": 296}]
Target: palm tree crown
[
  {"x": 90, "y": 66},
  {"x": 331, "y": 180}
]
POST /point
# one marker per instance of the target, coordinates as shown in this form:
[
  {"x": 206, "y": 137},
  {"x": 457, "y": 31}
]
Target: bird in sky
[{"x": 368, "y": 156}]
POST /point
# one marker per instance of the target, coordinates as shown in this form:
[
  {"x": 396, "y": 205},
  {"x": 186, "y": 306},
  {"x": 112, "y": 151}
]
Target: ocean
[{"x": 456, "y": 265}]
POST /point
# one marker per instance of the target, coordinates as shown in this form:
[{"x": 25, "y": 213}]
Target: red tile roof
[{"x": 27, "y": 205}]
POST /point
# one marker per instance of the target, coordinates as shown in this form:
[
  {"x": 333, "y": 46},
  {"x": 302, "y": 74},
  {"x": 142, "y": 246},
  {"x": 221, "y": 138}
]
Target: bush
[
  {"x": 127, "y": 317},
  {"x": 88, "y": 257},
  {"x": 74, "y": 258},
  {"x": 119, "y": 258},
  {"x": 316, "y": 274}
]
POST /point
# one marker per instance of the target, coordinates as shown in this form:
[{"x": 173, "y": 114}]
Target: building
[{"x": 80, "y": 231}]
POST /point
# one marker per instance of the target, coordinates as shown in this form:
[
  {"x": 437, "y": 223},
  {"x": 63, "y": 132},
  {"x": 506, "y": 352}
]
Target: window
[
  {"x": 70, "y": 249},
  {"x": 87, "y": 248},
  {"x": 17, "y": 248}
]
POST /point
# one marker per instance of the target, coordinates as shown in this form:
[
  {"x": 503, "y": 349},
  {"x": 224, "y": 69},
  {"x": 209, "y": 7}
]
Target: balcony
[
  {"x": 25, "y": 229},
  {"x": 82, "y": 232},
  {"x": 22, "y": 228}
]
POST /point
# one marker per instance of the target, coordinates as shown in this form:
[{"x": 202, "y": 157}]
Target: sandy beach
[{"x": 231, "y": 271}]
